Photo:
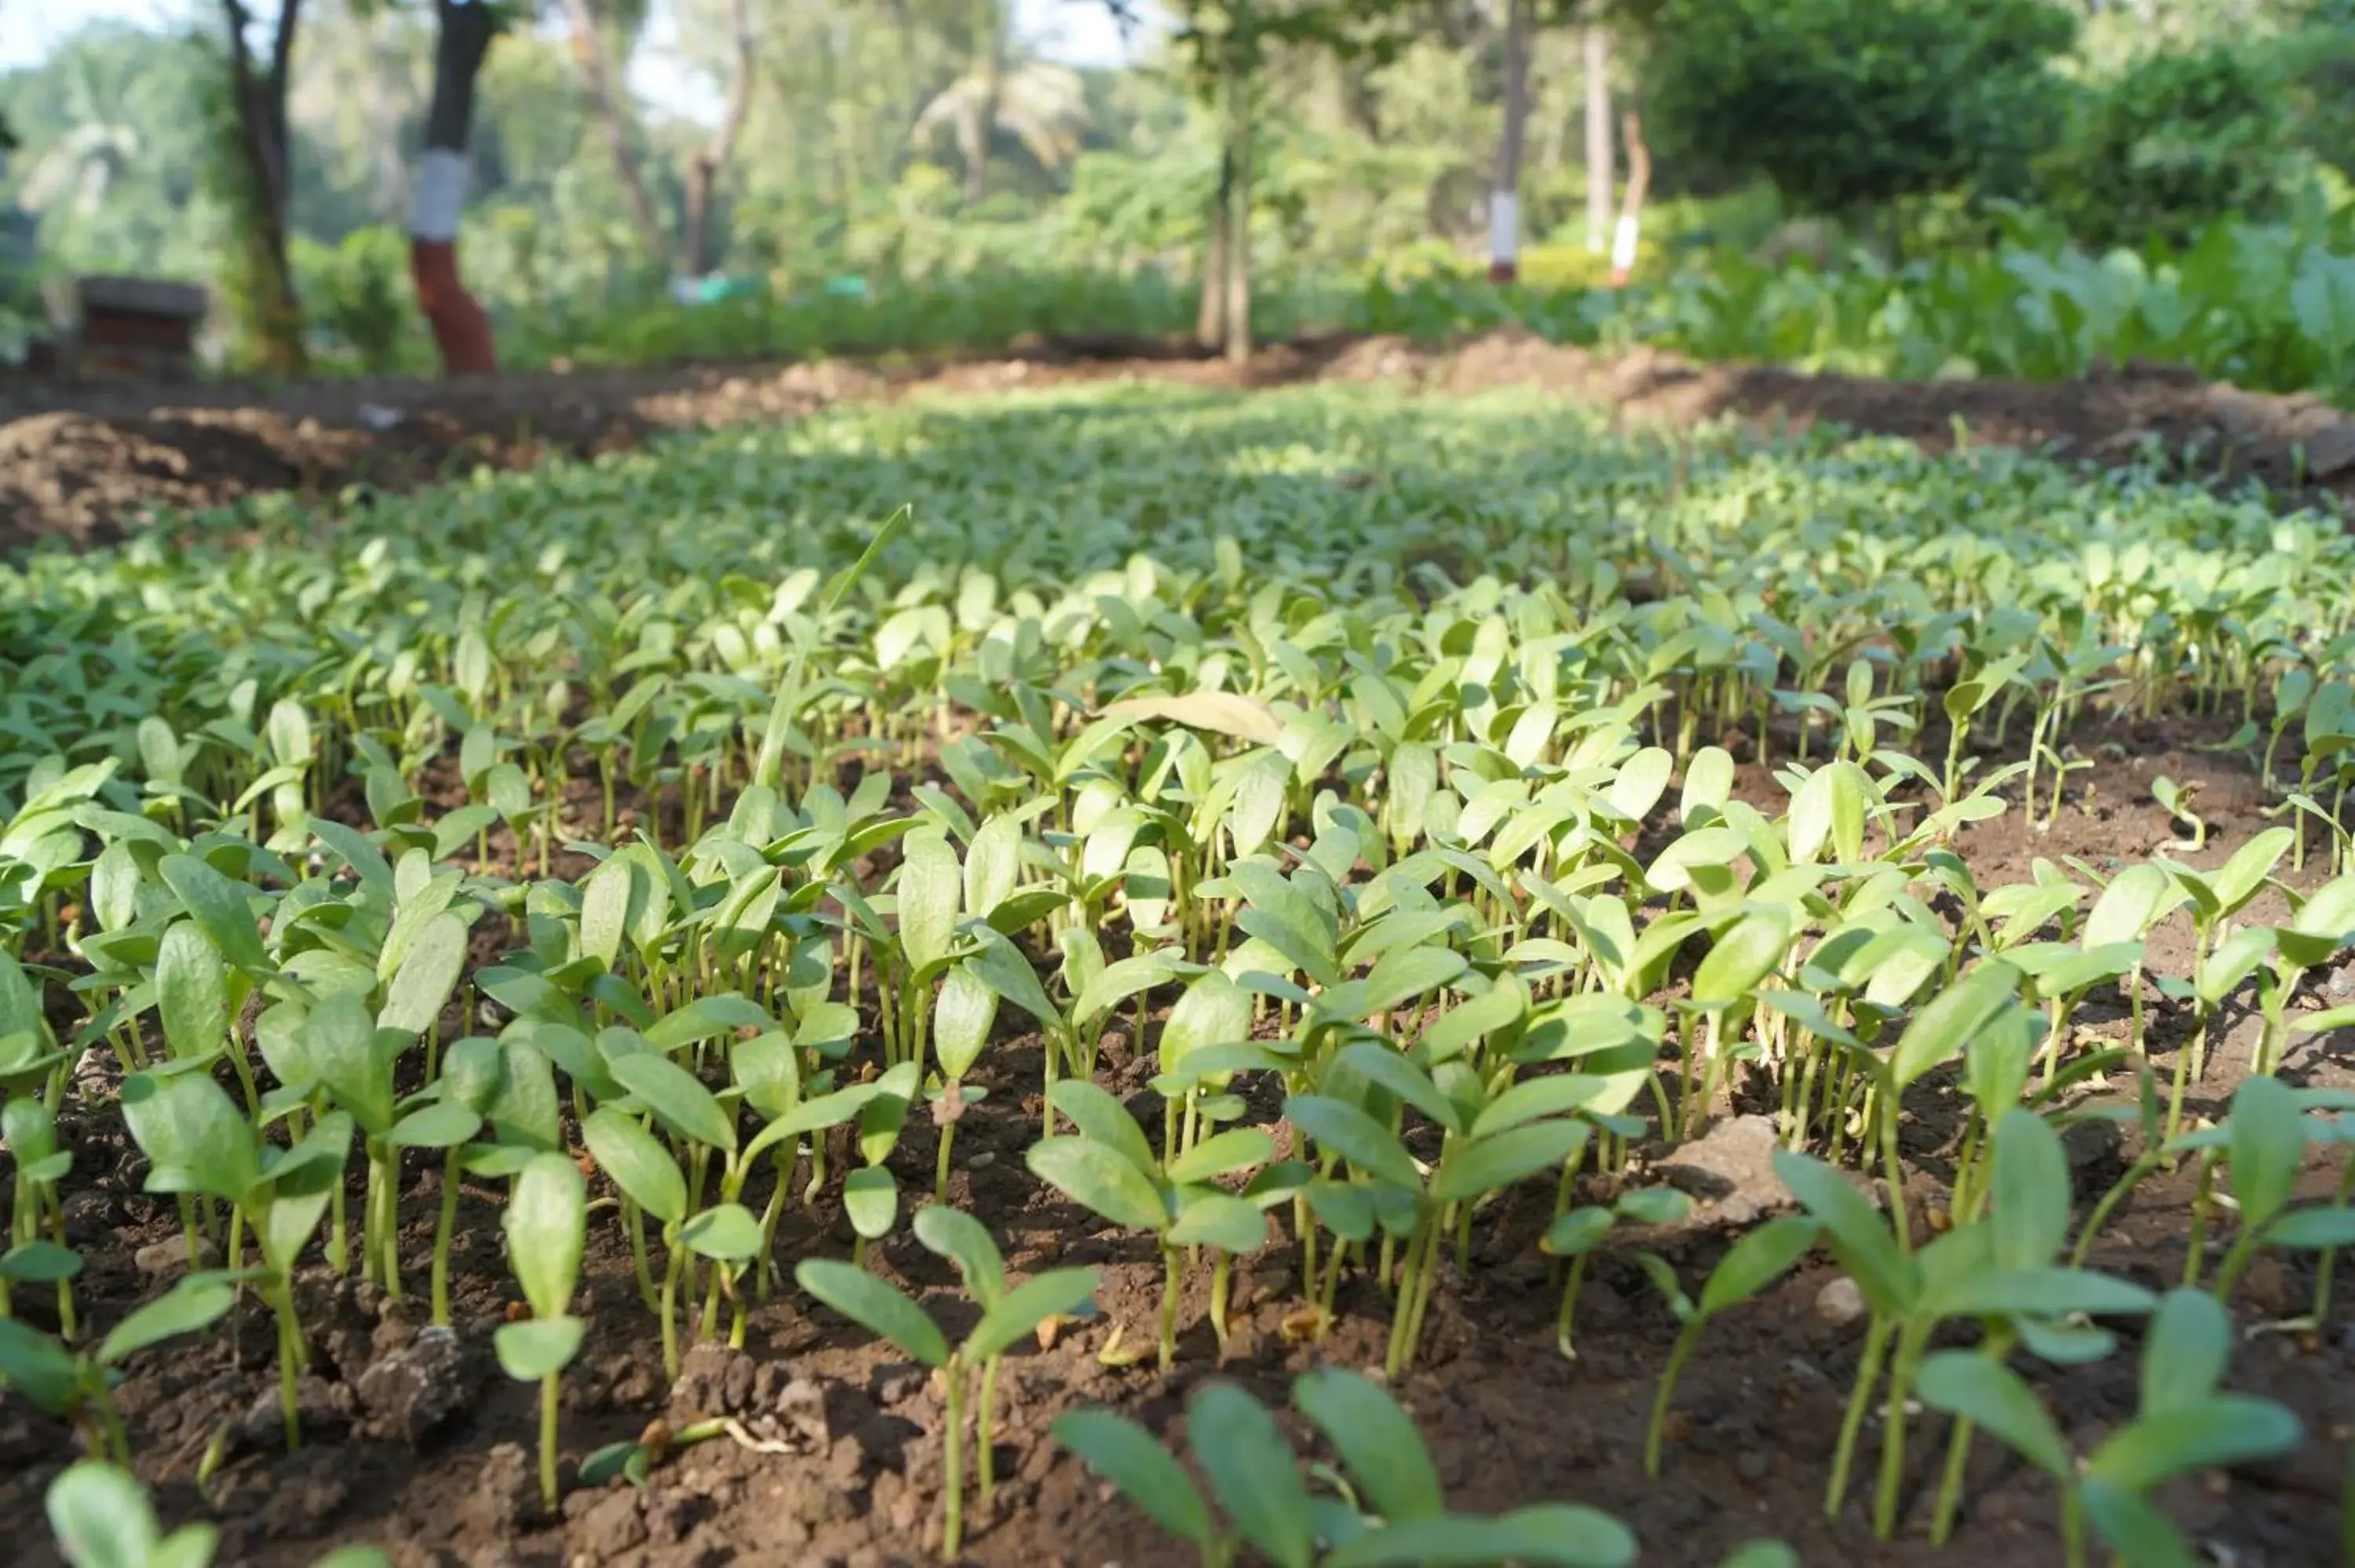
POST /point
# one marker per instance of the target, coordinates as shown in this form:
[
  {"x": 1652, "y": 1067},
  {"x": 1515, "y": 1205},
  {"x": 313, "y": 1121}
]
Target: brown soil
[
  {"x": 84, "y": 463},
  {"x": 424, "y": 1447}
]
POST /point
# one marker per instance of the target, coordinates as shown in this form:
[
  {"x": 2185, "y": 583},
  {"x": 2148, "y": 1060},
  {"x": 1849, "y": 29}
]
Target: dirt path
[{"x": 84, "y": 463}]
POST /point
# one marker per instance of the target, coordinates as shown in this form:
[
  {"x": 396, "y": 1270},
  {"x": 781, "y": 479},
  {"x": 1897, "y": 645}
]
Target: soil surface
[
  {"x": 416, "y": 1442},
  {"x": 83, "y": 463}
]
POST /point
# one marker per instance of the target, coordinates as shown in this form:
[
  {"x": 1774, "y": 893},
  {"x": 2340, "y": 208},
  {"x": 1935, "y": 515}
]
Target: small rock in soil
[
  {"x": 795, "y": 1414},
  {"x": 505, "y": 1494},
  {"x": 410, "y": 1392},
  {"x": 89, "y": 1210},
  {"x": 668, "y": 1518},
  {"x": 713, "y": 1381},
  {"x": 304, "y": 1495},
  {"x": 1730, "y": 1169},
  {"x": 1840, "y": 1303},
  {"x": 323, "y": 1410},
  {"x": 168, "y": 1258},
  {"x": 2090, "y": 1143},
  {"x": 1751, "y": 1466},
  {"x": 899, "y": 1385},
  {"x": 2266, "y": 1287}
]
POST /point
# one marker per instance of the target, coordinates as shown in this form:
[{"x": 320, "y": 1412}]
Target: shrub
[
  {"x": 2175, "y": 140},
  {"x": 1847, "y": 105}
]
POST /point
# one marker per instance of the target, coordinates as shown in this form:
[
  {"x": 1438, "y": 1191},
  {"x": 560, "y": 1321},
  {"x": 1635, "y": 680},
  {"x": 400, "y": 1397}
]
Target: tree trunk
[
  {"x": 979, "y": 121},
  {"x": 589, "y": 54},
  {"x": 1631, "y": 214},
  {"x": 1238, "y": 216},
  {"x": 1210, "y": 314},
  {"x": 461, "y": 329},
  {"x": 1598, "y": 137},
  {"x": 1505, "y": 198},
  {"x": 703, "y": 173},
  {"x": 258, "y": 104}
]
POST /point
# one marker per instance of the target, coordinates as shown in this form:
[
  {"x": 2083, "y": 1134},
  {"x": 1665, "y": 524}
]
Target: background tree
[
  {"x": 462, "y": 331},
  {"x": 254, "y": 176},
  {"x": 1849, "y": 105}
]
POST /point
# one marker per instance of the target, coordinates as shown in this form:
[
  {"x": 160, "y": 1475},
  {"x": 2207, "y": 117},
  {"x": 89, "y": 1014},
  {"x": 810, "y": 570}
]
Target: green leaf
[
  {"x": 875, "y": 1307},
  {"x": 538, "y": 1348},
  {"x": 966, "y": 1242},
  {"x": 1375, "y": 1441},
  {"x": 2031, "y": 1190},
  {"x": 1105, "y": 1120},
  {"x": 1126, "y": 1455},
  {"x": 1091, "y": 1174},
  {"x": 340, "y": 1042},
  {"x": 196, "y": 1302},
  {"x": 2223, "y": 1429},
  {"x": 638, "y": 1163},
  {"x": 1993, "y": 1396},
  {"x": 38, "y": 1262},
  {"x": 2135, "y": 1529},
  {"x": 678, "y": 1098},
  {"x": 963, "y": 1014},
  {"x": 1490, "y": 1164},
  {"x": 1208, "y": 1217},
  {"x": 1387, "y": 1067},
  {"x": 1746, "y": 954},
  {"x": 545, "y": 1224},
  {"x": 1944, "y": 1028},
  {"x": 1252, "y": 1472},
  {"x": 1213, "y": 1011},
  {"x": 1222, "y": 1154},
  {"x": 1580, "y": 1230},
  {"x": 931, "y": 889},
  {"x": 1860, "y": 1239},
  {"x": 2036, "y": 1292},
  {"x": 2267, "y": 1129},
  {"x": 428, "y": 972},
  {"x": 194, "y": 1137},
  {"x": 1005, "y": 1320},
  {"x": 1763, "y": 1553},
  {"x": 2237, "y": 880},
  {"x": 191, "y": 992},
  {"x": 2313, "y": 1230},
  {"x": 220, "y": 908},
  {"x": 993, "y": 864},
  {"x": 1346, "y": 1130},
  {"x": 2184, "y": 1353},
  {"x": 1756, "y": 1261},
  {"x": 444, "y": 1124},
  {"x": 728, "y": 1233},
  {"x": 1555, "y": 1535},
  {"x": 871, "y": 1197},
  {"x": 101, "y": 1517}
]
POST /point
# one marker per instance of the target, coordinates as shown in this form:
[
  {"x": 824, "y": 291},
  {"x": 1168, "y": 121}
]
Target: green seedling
[
  {"x": 77, "y": 1387},
  {"x": 2265, "y": 1142},
  {"x": 1754, "y": 1262},
  {"x": 546, "y": 1227},
  {"x": 1388, "y": 1511},
  {"x": 197, "y": 1142},
  {"x": 1007, "y": 1316},
  {"x": 1580, "y": 1231},
  {"x": 1109, "y": 1168},
  {"x": 1999, "y": 1269},
  {"x": 2184, "y": 1424}
]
